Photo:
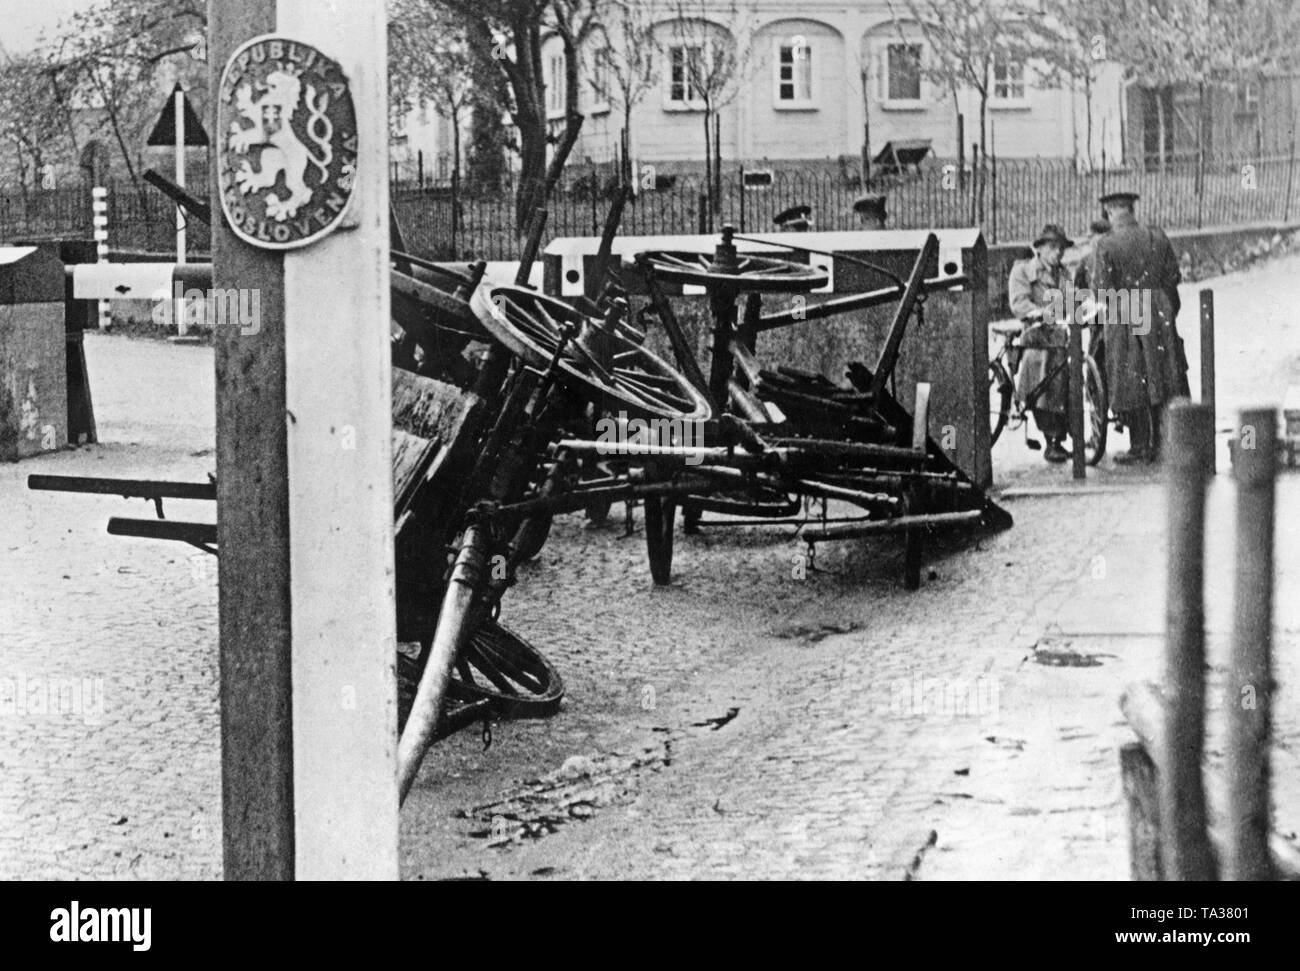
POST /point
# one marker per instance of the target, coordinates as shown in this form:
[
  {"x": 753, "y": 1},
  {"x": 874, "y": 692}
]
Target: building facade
[{"x": 820, "y": 79}]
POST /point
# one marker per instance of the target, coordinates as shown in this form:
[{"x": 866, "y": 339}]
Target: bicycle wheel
[
  {"x": 1096, "y": 411},
  {"x": 1001, "y": 388}
]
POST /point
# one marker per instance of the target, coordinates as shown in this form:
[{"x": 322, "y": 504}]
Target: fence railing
[{"x": 451, "y": 221}]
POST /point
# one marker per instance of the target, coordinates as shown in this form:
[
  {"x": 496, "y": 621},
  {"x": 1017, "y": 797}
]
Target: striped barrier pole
[{"x": 99, "y": 211}]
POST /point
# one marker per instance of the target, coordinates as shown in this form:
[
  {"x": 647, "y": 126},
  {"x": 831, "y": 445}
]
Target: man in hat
[
  {"x": 871, "y": 211},
  {"x": 1037, "y": 286},
  {"x": 1145, "y": 364}
]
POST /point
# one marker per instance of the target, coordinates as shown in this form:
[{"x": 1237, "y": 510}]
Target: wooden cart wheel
[
  {"x": 513, "y": 676},
  {"x": 750, "y": 274},
  {"x": 753, "y": 502},
  {"x": 610, "y": 369},
  {"x": 660, "y": 512}
]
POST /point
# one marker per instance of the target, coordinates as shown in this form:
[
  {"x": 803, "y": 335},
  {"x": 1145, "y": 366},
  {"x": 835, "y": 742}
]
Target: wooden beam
[{"x": 305, "y": 507}]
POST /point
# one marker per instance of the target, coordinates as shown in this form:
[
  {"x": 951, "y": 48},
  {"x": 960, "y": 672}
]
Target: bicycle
[{"x": 1009, "y": 407}]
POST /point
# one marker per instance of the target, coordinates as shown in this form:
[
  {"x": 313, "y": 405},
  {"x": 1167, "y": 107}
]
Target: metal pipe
[
  {"x": 455, "y": 624},
  {"x": 126, "y": 488},
  {"x": 896, "y": 525},
  {"x": 852, "y": 302}
]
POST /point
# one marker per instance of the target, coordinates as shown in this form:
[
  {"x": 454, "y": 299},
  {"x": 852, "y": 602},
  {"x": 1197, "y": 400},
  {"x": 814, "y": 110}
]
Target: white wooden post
[
  {"x": 99, "y": 222},
  {"x": 304, "y": 487}
]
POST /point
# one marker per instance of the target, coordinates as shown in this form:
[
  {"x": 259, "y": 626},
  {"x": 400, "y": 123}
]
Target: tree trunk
[
  {"x": 1087, "y": 97},
  {"x": 980, "y": 174},
  {"x": 866, "y": 132},
  {"x": 455, "y": 143},
  {"x": 708, "y": 158},
  {"x": 1160, "y": 123}
]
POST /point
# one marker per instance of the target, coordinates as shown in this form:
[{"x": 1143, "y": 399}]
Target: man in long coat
[{"x": 1145, "y": 365}]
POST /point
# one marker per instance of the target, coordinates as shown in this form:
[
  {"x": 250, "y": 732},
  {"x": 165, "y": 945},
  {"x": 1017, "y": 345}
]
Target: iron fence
[{"x": 1010, "y": 199}]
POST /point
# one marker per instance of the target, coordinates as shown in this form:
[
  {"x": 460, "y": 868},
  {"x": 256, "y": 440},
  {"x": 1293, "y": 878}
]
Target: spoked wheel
[
  {"x": 1001, "y": 388},
  {"x": 513, "y": 676},
  {"x": 752, "y": 274},
  {"x": 498, "y": 674},
  {"x": 660, "y": 512},
  {"x": 1096, "y": 411},
  {"x": 611, "y": 368}
]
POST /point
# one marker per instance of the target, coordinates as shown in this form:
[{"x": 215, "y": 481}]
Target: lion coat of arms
[{"x": 289, "y": 143}]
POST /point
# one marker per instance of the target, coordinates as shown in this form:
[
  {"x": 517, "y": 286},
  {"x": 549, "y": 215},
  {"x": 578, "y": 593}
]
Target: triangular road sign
[{"x": 164, "y": 132}]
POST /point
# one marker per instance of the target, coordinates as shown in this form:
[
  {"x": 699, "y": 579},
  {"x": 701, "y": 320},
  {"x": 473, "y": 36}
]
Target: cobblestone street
[{"x": 743, "y": 722}]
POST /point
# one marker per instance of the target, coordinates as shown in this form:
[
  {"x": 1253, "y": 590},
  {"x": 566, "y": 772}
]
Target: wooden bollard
[
  {"x": 1075, "y": 370},
  {"x": 1141, "y": 789},
  {"x": 1189, "y": 435},
  {"x": 1248, "y": 694},
  {"x": 1207, "y": 361}
]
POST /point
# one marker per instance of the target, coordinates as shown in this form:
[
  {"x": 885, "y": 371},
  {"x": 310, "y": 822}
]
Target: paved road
[{"x": 741, "y": 722}]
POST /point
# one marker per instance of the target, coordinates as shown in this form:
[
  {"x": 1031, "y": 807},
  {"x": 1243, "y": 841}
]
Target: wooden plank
[
  {"x": 1190, "y": 437},
  {"x": 252, "y": 531},
  {"x": 1144, "y": 708},
  {"x": 339, "y": 389},
  {"x": 1248, "y": 694},
  {"x": 1138, "y": 773}
]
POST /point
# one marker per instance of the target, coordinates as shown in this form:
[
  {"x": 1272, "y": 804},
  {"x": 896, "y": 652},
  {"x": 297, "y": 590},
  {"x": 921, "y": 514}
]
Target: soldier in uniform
[
  {"x": 1145, "y": 366},
  {"x": 1033, "y": 287}
]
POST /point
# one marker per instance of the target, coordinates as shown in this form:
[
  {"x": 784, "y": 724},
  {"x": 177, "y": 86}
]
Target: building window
[
  {"x": 1008, "y": 80},
  {"x": 600, "y": 75},
  {"x": 1248, "y": 98},
  {"x": 555, "y": 85},
  {"x": 685, "y": 69},
  {"x": 903, "y": 72},
  {"x": 794, "y": 75}
]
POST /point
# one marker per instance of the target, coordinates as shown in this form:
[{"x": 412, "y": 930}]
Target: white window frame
[
  {"x": 600, "y": 74},
  {"x": 1248, "y": 98},
  {"x": 796, "y": 103},
  {"x": 1014, "y": 101},
  {"x": 555, "y": 84},
  {"x": 918, "y": 103},
  {"x": 689, "y": 103}
]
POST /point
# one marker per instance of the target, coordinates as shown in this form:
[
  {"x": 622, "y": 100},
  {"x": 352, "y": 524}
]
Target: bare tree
[
  {"x": 32, "y": 119},
  {"x": 429, "y": 62},
  {"x": 506, "y": 38},
  {"x": 625, "y": 58},
  {"x": 108, "y": 57},
  {"x": 1073, "y": 45},
  {"x": 714, "y": 61},
  {"x": 1168, "y": 43},
  {"x": 966, "y": 39}
]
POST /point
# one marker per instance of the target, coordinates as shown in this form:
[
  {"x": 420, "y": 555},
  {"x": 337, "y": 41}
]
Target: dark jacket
[{"x": 1141, "y": 369}]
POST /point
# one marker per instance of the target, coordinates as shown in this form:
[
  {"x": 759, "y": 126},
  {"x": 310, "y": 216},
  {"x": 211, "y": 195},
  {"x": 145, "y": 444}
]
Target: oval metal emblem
[{"x": 288, "y": 143}]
